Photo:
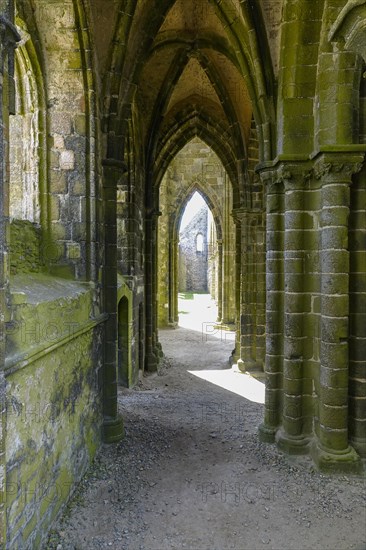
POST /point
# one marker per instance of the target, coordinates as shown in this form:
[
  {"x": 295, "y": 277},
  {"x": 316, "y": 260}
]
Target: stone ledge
[{"x": 19, "y": 361}]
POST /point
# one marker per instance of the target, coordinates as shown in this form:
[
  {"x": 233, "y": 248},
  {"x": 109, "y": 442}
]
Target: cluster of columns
[{"x": 307, "y": 308}]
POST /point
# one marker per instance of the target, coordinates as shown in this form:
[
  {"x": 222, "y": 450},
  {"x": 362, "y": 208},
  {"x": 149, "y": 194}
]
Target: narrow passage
[{"x": 191, "y": 473}]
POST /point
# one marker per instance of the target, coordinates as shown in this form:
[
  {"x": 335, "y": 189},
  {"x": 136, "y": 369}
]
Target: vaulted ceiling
[{"x": 196, "y": 67}]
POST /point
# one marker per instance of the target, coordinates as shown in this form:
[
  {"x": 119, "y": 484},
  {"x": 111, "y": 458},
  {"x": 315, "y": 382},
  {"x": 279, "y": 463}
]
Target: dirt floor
[{"x": 191, "y": 473}]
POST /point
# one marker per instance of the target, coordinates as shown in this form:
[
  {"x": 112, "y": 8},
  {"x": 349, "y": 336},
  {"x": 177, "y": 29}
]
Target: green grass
[
  {"x": 189, "y": 295},
  {"x": 186, "y": 295}
]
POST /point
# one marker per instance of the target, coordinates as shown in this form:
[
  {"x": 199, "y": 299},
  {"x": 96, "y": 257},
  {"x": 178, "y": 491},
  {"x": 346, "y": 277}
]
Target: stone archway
[{"x": 179, "y": 184}]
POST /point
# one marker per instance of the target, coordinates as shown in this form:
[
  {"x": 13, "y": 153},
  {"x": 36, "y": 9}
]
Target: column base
[
  {"x": 151, "y": 363},
  {"x": 249, "y": 366},
  {"x": 267, "y": 434},
  {"x": 359, "y": 444},
  {"x": 336, "y": 462},
  {"x": 113, "y": 429},
  {"x": 227, "y": 325},
  {"x": 293, "y": 444},
  {"x": 159, "y": 351}
]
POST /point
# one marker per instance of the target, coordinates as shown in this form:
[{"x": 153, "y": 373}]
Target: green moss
[
  {"x": 59, "y": 412},
  {"x": 25, "y": 248}
]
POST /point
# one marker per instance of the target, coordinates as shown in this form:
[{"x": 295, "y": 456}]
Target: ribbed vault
[{"x": 186, "y": 52}]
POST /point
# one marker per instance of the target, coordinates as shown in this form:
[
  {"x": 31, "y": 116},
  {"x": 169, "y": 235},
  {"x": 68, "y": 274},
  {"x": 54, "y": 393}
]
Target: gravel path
[{"x": 191, "y": 473}]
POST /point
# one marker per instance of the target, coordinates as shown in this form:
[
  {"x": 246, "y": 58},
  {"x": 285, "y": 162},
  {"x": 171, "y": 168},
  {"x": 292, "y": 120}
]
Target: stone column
[
  {"x": 173, "y": 283},
  {"x": 238, "y": 257},
  {"x": 170, "y": 282},
  {"x": 274, "y": 305},
  {"x": 152, "y": 352},
  {"x": 331, "y": 451},
  {"x": 295, "y": 434},
  {"x": 244, "y": 315},
  {"x": 8, "y": 40},
  {"x": 357, "y": 336},
  {"x": 247, "y": 224},
  {"x": 240, "y": 219},
  {"x": 157, "y": 344},
  {"x": 219, "y": 282},
  {"x": 150, "y": 359},
  {"x": 113, "y": 424},
  {"x": 260, "y": 290}
]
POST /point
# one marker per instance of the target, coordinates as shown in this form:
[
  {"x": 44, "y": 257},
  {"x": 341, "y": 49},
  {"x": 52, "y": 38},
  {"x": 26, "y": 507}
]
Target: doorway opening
[
  {"x": 197, "y": 248},
  {"x": 197, "y": 264}
]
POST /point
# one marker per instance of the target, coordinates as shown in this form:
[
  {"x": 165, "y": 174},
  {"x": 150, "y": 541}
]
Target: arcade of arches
[{"x": 113, "y": 113}]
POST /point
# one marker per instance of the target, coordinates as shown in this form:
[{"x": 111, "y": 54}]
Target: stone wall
[
  {"x": 54, "y": 409},
  {"x": 130, "y": 214},
  {"x": 263, "y": 112},
  {"x": 193, "y": 255}
]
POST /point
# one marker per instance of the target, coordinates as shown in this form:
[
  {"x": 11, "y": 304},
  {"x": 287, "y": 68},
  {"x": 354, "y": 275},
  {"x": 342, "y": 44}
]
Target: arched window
[
  {"x": 24, "y": 143},
  {"x": 199, "y": 242},
  {"x": 27, "y": 160}
]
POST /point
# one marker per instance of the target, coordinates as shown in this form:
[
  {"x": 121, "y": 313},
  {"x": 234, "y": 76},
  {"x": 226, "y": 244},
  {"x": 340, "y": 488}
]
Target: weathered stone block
[
  {"x": 334, "y": 283},
  {"x": 335, "y": 306},
  {"x": 357, "y": 388},
  {"x": 58, "y": 181},
  {"x": 335, "y": 195},
  {"x": 335, "y": 261},
  {"x": 334, "y": 329},
  {"x": 334, "y": 377},
  {"x": 67, "y": 160},
  {"x": 334, "y": 238},
  {"x": 357, "y": 410}
]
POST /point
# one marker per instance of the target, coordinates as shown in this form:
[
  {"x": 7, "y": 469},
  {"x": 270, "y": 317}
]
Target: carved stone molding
[{"x": 338, "y": 168}]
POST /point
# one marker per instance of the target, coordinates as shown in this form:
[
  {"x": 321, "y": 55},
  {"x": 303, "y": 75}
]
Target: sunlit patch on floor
[{"x": 237, "y": 382}]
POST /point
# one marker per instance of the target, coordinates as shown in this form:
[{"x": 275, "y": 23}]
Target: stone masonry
[
  {"x": 193, "y": 254},
  {"x": 113, "y": 113}
]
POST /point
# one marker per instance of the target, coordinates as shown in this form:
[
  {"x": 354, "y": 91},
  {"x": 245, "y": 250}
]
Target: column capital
[
  {"x": 238, "y": 215},
  {"x": 243, "y": 214},
  {"x": 152, "y": 214},
  {"x": 284, "y": 174},
  {"x": 338, "y": 166},
  {"x": 114, "y": 172}
]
